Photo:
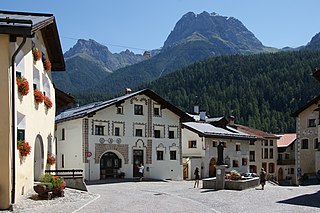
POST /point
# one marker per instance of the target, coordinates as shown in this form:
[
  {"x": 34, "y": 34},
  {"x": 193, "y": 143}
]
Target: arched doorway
[
  {"x": 212, "y": 167},
  {"x": 38, "y": 158},
  {"x": 109, "y": 165},
  {"x": 280, "y": 174}
]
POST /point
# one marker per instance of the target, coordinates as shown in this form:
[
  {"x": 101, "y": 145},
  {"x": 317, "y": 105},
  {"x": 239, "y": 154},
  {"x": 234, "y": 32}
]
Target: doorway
[
  {"x": 280, "y": 174},
  {"x": 109, "y": 165},
  {"x": 137, "y": 160},
  {"x": 212, "y": 168},
  {"x": 38, "y": 158}
]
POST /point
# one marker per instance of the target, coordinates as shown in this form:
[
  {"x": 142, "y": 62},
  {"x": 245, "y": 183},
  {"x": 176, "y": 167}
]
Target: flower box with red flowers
[
  {"x": 24, "y": 148},
  {"x": 46, "y": 64},
  {"x": 36, "y": 54},
  {"x": 23, "y": 86},
  {"x": 47, "y": 102},
  {"x": 38, "y": 96},
  {"x": 51, "y": 159}
]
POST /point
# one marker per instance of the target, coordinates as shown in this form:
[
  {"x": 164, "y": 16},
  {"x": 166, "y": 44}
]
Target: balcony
[{"x": 286, "y": 162}]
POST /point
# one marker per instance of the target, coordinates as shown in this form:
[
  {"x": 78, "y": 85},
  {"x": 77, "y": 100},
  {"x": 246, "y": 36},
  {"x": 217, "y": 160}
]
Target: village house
[
  {"x": 286, "y": 174},
  {"x": 307, "y": 143},
  {"x": 199, "y": 148},
  {"x": 263, "y": 151},
  {"x": 112, "y": 138},
  {"x": 29, "y": 50}
]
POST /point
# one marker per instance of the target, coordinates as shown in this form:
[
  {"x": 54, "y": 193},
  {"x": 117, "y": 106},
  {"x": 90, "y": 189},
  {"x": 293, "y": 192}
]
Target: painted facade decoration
[
  {"x": 25, "y": 123},
  {"x": 112, "y": 138}
]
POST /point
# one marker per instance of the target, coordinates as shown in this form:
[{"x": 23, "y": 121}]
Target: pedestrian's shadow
[{"x": 258, "y": 188}]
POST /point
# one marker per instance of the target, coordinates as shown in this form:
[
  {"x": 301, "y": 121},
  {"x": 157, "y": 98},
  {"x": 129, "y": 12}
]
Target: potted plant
[
  {"x": 46, "y": 64},
  {"x": 23, "y": 86},
  {"x": 24, "y": 148},
  {"x": 38, "y": 96},
  {"x": 58, "y": 184},
  {"x": 51, "y": 159},
  {"x": 47, "y": 102},
  {"x": 36, "y": 54}
]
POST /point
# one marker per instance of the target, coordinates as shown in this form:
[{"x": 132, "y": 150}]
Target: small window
[
  {"x": 156, "y": 111},
  {"x": 120, "y": 110},
  {"x": 35, "y": 86},
  {"x": 252, "y": 156},
  {"x": 237, "y": 147},
  {"x": 138, "y": 109},
  {"x": 251, "y": 143},
  {"x": 173, "y": 155},
  {"x": 20, "y": 134},
  {"x": 63, "y": 134},
  {"x": 18, "y": 74},
  {"x": 305, "y": 144},
  {"x": 117, "y": 131},
  {"x": 266, "y": 153},
  {"x": 99, "y": 130},
  {"x": 280, "y": 156},
  {"x": 266, "y": 142},
  {"x": 171, "y": 134},
  {"x": 192, "y": 144},
  {"x": 235, "y": 163},
  {"x": 312, "y": 123},
  {"x": 271, "y": 167},
  {"x": 292, "y": 170},
  {"x": 214, "y": 143},
  {"x": 139, "y": 132},
  {"x": 271, "y": 142},
  {"x": 286, "y": 156},
  {"x": 244, "y": 161},
  {"x": 62, "y": 161},
  {"x": 271, "y": 153},
  {"x": 157, "y": 133},
  {"x": 159, "y": 155},
  {"x": 316, "y": 143},
  {"x": 224, "y": 144}
]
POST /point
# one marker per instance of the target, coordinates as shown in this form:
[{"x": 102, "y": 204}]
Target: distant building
[
  {"x": 111, "y": 138},
  {"x": 286, "y": 172},
  {"x": 29, "y": 50}
]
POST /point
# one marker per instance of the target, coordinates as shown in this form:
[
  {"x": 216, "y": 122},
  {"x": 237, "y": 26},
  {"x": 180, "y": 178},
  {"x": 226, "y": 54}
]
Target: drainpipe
[{"x": 13, "y": 121}]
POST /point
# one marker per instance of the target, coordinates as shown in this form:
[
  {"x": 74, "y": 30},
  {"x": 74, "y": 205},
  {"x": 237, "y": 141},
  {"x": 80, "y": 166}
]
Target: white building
[
  {"x": 22, "y": 118},
  {"x": 114, "y": 136},
  {"x": 199, "y": 148}
]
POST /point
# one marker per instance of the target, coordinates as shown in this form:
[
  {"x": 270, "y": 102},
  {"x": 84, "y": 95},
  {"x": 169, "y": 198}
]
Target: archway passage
[
  {"x": 38, "y": 158},
  {"x": 212, "y": 167},
  {"x": 110, "y": 163}
]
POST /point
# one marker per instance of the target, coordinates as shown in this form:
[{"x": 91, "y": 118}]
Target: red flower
[
  {"x": 23, "y": 86},
  {"x": 24, "y": 148},
  {"x": 38, "y": 96},
  {"x": 36, "y": 54},
  {"x": 51, "y": 159},
  {"x": 47, "y": 102},
  {"x": 46, "y": 64}
]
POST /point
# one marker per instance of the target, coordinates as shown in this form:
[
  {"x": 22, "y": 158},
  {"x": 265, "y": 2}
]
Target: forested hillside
[{"x": 259, "y": 90}]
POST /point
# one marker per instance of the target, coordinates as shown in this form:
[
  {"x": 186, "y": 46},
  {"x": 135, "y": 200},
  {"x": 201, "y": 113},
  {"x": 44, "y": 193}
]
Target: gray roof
[
  {"x": 83, "y": 111},
  {"x": 207, "y": 129}
]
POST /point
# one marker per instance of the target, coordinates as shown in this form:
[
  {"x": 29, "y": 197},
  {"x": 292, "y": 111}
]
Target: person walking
[
  {"x": 262, "y": 178},
  {"x": 196, "y": 178},
  {"x": 141, "y": 169}
]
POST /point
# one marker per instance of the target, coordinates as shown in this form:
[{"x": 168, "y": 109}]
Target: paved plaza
[{"x": 178, "y": 196}]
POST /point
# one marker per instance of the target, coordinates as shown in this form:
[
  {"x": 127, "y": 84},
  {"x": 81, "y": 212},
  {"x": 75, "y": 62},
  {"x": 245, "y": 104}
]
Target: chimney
[
  {"x": 202, "y": 116},
  {"x": 127, "y": 91},
  {"x": 231, "y": 120}
]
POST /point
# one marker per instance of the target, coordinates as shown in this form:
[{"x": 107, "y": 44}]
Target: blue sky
[{"x": 141, "y": 25}]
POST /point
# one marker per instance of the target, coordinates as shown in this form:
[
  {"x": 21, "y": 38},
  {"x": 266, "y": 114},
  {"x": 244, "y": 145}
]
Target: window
[
  {"x": 237, "y": 147},
  {"x": 20, "y": 134},
  {"x": 305, "y": 144},
  {"x": 235, "y": 163},
  {"x": 214, "y": 143},
  {"x": 286, "y": 156},
  {"x": 160, "y": 155},
  {"x": 244, "y": 161},
  {"x": 251, "y": 143},
  {"x": 171, "y": 134},
  {"x": 316, "y": 143},
  {"x": 261, "y": 153},
  {"x": 173, "y": 155},
  {"x": 271, "y": 167},
  {"x": 271, "y": 153},
  {"x": 99, "y": 130},
  {"x": 271, "y": 142},
  {"x": 156, "y": 111},
  {"x": 157, "y": 133},
  {"x": 62, "y": 161},
  {"x": 280, "y": 156},
  {"x": 139, "y": 132},
  {"x": 252, "y": 156},
  {"x": 192, "y": 144},
  {"x": 120, "y": 110},
  {"x": 291, "y": 170},
  {"x": 138, "y": 109},
  {"x": 266, "y": 142},
  {"x": 63, "y": 134},
  {"x": 265, "y": 153},
  {"x": 224, "y": 144},
  {"x": 312, "y": 123},
  {"x": 117, "y": 131}
]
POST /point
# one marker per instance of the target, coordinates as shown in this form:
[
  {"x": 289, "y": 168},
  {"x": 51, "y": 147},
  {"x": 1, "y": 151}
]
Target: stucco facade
[
  {"x": 134, "y": 129},
  {"x": 22, "y": 119}
]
